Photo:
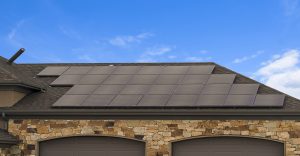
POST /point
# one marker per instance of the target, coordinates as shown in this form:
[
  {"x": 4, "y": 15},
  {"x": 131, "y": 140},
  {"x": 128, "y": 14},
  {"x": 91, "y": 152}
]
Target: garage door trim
[
  {"x": 37, "y": 149},
  {"x": 236, "y": 136}
]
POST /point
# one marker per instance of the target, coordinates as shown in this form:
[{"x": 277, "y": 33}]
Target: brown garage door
[
  {"x": 91, "y": 146},
  {"x": 227, "y": 146}
]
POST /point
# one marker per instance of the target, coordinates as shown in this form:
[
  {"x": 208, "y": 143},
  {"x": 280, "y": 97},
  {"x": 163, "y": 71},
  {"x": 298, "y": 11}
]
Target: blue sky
[{"x": 248, "y": 36}]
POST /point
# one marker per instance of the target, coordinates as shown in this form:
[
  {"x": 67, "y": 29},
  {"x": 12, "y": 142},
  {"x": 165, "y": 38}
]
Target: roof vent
[{"x": 15, "y": 56}]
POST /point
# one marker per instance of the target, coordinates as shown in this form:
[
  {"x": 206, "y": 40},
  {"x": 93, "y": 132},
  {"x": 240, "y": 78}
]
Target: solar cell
[
  {"x": 211, "y": 100},
  {"x": 240, "y": 100},
  {"x": 221, "y": 78},
  {"x": 66, "y": 80},
  {"x": 195, "y": 79},
  {"x": 168, "y": 79},
  {"x": 53, "y": 71},
  {"x": 109, "y": 89},
  {"x": 102, "y": 70},
  {"x": 70, "y": 100},
  {"x": 92, "y": 79},
  {"x": 135, "y": 89},
  {"x": 175, "y": 70},
  {"x": 161, "y": 89},
  {"x": 126, "y": 100},
  {"x": 182, "y": 100},
  {"x": 216, "y": 89},
  {"x": 204, "y": 69},
  {"x": 82, "y": 89},
  {"x": 152, "y": 70},
  {"x": 98, "y": 100},
  {"x": 271, "y": 100},
  {"x": 78, "y": 70},
  {"x": 142, "y": 79},
  {"x": 244, "y": 89},
  {"x": 188, "y": 89},
  {"x": 117, "y": 79},
  {"x": 126, "y": 70},
  {"x": 154, "y": 100}
]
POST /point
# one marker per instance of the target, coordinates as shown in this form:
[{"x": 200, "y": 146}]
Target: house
[{"x": 142, "y": 109}]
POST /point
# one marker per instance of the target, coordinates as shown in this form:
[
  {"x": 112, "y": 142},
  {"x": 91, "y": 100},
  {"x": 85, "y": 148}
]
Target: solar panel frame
[
  {"x": 135, "y": 89},
  {"x": 125, "y": 100},
  {"x": 175, "y": 70},
  {"x": 244, "y": 89},
  {"x": 195, "y": 79},
  {"x": 150, "y": 70},
  {"x": 188, "y": 89},
  {"x": 211, "y": 100},
  {"x": 82, "y": 89},
  {"x": 109, "y": 89},
  {"x": 117, "y": 79},
  {"x": 161, "y": 89},
  {"x": 92, "y": 79},
  {"x": 168, "y": 79},
  {"x": 142, "y": 79},
  {"x": 101, "y": 70},
  {"x": 240, "y": 100},
  {"x": 98, "y": 100},
  {"x": 70, "y": 101},
  {"x": 153, "y": 101},
  {"x": 126, "y": 70},
  {"x": 214, "y": 89}
]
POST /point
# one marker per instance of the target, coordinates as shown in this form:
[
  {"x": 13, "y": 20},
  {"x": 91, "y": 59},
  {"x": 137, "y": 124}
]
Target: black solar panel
[
  {"x": 82, "y": 89},
  {"x": 271, "y": 100},
  {"x": 98, "y": 100},
  {"x": 126, "y": 100},
  {"x": 154, "y": 100},
  {"x": 67, "y": 80},
  {"x": 156, "y": 86},
  {"x": 205, "y": 69},
  {"x": 78, "y": 70},
  {"x": 53, "y": 71},
  {"x": 182, "y": 100}
]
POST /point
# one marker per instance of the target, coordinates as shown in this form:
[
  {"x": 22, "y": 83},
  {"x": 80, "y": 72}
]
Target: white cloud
[
  {"x": 291, "y": 7},
  {"x": 124, "y": 41},
  {"x": 153, "y": 54},
  {"x": 247, "y": 58},
  {"x": 11, "y": 36},
  {"x": 282, "y": 72}
]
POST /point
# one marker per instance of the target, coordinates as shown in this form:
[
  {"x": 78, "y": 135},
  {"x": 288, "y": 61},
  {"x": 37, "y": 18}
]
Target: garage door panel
[
  {"x": 227, "y": 146},
  {"x": 92, "y": 146}
]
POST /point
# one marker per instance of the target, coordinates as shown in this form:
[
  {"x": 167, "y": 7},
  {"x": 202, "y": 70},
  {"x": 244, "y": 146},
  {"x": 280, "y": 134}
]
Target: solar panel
[
  {"x": 117, "y": 79},
  {"x": 240, "y": 100},
  {"x": 78, "y": 70},
  {"x": 182, "y": 100},
  {"x": 135, "y": 89},
  {"x": 271, "y": 100},
  {"x": 244, "y": 89},
  {"x": 126, "y": 100},
  {"x": 66, "y": 80},
  {"x": 146, "y": 70},
  {"x": 211, "y": 100},
  {"x": 109, "y": 89},
  {"x": 168, "y": 79},
  {"x": 188, "y": 89},
  {"x": 161, "y": 89},
  {"x": 175, "y": 70},
  {"x": 221, "y": 78},
  {"x": 204, "y": 69},
  {"x": 195, "y": 79},
  {"x": 98, "y": 70},
  {"x": 154, "y": 100},
  {"x": 82, "y": 89},
  {"x": 70, "y": 100},
  {"x": 216, "y": 89},
  {"x": 142, "y": 79},
  {"x": 98, "y": 100},
  {"x": 126, "y": 70},
  {"x": 92, "y": 79},
  {"x": 53, "y": 71}
]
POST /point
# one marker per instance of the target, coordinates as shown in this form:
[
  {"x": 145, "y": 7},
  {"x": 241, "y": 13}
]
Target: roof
[
  {"x": 40, "y": 104},
  {"x": 7, "y": 139},
  {"x": 12, "y": 75}
]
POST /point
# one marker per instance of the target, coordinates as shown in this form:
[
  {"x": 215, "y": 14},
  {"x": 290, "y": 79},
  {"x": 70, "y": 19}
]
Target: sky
[{"x": 257, "y": 38}]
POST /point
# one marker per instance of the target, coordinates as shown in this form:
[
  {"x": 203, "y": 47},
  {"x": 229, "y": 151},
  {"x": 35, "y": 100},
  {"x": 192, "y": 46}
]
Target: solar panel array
[{"x": 155, "y": 86}]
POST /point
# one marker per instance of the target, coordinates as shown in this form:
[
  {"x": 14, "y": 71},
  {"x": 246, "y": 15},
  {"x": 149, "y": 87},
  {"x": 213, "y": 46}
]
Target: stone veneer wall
[{"x": 157, "y": 134}]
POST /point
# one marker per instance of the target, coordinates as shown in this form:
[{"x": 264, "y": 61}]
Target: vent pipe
[{"x": 15, "y": 56}]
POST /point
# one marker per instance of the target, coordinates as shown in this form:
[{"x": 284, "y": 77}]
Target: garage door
[
  {"x": 227, "y": 146},
  {"x": 91, "y": 146}
]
